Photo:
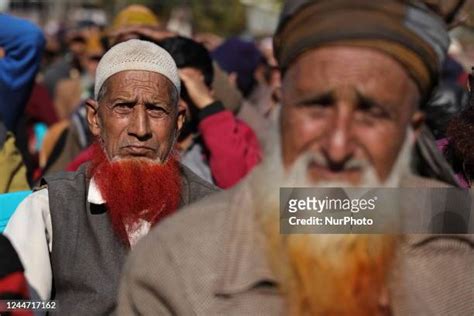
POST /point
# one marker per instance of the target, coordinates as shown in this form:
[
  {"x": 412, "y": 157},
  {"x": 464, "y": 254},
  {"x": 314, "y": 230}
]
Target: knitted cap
[{"x": 136, "y": 55}]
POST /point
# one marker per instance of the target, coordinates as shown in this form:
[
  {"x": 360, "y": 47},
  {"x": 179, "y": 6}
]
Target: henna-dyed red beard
[{"x": 136, "y": 189}]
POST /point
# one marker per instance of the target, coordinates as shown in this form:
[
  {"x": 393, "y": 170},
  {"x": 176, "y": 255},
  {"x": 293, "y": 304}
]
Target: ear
[
  {"x": 182, "y": 106},
  {"x": 233, "y": 79},
  {"x": 259, "y": 73},
  {"x": 277, "y": 94},
  {"x": 417, "y": 121},
  {"x": 93, "y": 117}
]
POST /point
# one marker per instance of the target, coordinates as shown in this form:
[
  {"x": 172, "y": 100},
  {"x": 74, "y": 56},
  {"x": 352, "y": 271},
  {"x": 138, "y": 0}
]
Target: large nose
[
  {"x": 338, "y": 145},
  {"x": 139, "y": 125}
]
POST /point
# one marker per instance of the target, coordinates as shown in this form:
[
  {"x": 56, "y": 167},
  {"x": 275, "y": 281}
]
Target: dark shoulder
[
  {"x": 197, "y": 187},
  {"x": 9, "y": 260},
  {"x": 65, "y": 176}
]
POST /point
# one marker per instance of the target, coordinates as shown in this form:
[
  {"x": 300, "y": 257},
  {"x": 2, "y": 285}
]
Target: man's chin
[
  {"x": 364, "y": 177},
  {"x": 350, "y": 179},
  {"x": 136, "y": 158}
]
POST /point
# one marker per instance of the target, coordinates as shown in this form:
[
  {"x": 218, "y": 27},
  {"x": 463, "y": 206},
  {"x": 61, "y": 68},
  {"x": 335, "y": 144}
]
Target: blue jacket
[{"x": 22, "y": 43}]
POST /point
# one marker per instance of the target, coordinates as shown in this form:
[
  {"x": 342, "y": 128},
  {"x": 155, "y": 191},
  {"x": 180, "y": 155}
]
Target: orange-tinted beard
[
  {"x": 333, "y": 275},
  {"x": 330, "y": 275},
  {"x": 323, "y": 275},
  {"x": 136, "y": 189}
]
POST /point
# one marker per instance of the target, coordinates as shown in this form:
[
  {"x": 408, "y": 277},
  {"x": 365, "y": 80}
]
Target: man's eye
[
  {"x": 318, "y": 110},
  {"x": 123, "y": 108},
  {"x": 376, "y": 112},
  {"x": 372, "y": 109},
  {"x": 156, "y": 111}
]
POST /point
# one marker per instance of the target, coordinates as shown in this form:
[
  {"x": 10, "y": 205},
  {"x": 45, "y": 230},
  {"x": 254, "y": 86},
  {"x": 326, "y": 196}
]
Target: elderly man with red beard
[
  {"x": 355, "y": 75},
  {"x": 74, "y": 232}
]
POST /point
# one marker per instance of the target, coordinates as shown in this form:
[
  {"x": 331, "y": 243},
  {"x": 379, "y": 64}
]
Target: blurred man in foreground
[
  {"x": 73, "y": 234},
  {"x": 354, "y": 76}
]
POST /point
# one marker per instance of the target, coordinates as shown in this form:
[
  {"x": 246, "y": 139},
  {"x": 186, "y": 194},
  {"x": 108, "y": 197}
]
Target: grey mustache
[{"x": 352, "y": 163}]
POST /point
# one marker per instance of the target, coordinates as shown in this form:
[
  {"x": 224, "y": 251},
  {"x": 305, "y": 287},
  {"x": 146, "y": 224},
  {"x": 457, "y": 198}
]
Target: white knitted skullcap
[{"x": 136, "y": 55}]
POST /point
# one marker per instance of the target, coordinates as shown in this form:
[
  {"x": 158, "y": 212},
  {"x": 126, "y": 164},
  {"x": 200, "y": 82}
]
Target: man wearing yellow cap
[{"x": 135, "y": 21}]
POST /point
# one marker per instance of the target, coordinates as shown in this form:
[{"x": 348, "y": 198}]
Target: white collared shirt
[{"x": 30, "y": 231}]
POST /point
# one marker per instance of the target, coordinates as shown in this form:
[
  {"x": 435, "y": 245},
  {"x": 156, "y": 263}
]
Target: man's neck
[{"x": 186, "y": 143}]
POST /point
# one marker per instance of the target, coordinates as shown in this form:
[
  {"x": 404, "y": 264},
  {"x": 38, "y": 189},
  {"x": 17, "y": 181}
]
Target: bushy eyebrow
[
  {"x": 123, "y": 99},
  {"x": 318, "y": 99},
  {"x": 366, "y": 103},
  {"x": 149, "y": 102}
]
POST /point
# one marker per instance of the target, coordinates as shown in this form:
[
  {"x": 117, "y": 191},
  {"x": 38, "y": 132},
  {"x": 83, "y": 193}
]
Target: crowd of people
[{"x": 156, "y": 162}]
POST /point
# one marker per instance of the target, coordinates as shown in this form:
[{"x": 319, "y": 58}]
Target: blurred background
[
  {"x": 248, "y": 18},
  {"x": 52, "y": 130},
  {"x": 230, "y": 17}
]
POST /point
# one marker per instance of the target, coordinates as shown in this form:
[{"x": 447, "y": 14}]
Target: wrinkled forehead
[
  {"x": 137, "y": 82},
  {"x": 366, "y": 70}
]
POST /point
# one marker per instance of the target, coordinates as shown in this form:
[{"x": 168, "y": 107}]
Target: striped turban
[{"x": 406, "y": 30}]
